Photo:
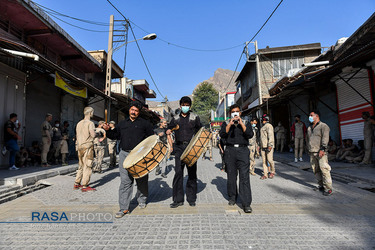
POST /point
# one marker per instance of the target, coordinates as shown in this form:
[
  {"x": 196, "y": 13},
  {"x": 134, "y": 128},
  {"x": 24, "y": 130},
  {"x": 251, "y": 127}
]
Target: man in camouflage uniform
[
  {"x": 267, "y": 142},
  {"x": 46, "y": 130},
  {"x": 99, "y": 147},
  {"x": 253, "y": 144},
  {"x": 112, "y": 147}
]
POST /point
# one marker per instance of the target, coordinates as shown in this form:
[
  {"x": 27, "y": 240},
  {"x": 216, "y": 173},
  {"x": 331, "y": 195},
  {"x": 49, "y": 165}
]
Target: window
[{"x": 283, "y": 62}]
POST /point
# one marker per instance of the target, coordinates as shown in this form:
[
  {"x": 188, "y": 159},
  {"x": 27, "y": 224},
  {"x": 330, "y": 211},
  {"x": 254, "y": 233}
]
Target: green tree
[{"x": 205, "y": 98}]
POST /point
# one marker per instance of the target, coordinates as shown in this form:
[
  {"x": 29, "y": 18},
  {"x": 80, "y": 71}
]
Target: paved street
[{"x": 287, "y": 214}]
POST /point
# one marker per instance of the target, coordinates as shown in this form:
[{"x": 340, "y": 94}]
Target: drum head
[
  {"x": 192, "y": 142},
  {"x": 140, "y": 151}
]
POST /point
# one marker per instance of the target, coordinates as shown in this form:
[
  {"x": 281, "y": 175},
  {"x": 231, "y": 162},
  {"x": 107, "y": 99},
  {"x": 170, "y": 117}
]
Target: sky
[{"x": 206, "y": 25}]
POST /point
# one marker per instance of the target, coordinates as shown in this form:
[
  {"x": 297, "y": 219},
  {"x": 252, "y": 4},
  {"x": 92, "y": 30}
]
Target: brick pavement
[{"x": 287, "y": 214}]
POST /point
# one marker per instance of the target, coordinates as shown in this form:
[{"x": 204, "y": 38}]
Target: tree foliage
[{"x": 205, "y": 98}]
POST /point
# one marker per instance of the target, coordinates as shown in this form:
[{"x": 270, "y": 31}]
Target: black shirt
[
  {"x": 131, "y": 133},
  {"x": 236, "y": 134},
  {"x": 12, "y": 126},
  {"x": 187, "y": 127}
]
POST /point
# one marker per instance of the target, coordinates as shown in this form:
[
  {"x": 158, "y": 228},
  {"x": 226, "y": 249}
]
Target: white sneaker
[
  {"x": 13, "y": 168},
  {"x": 295, "y": 160},
  {"x": 300, "y": 159},
  {"x": 4, "y": 151}
]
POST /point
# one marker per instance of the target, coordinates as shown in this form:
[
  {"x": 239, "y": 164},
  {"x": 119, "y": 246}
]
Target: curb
[{"x": 279, "y": 159}]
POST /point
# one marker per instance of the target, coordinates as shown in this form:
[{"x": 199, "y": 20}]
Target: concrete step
[{"x": 14, "y": 192}]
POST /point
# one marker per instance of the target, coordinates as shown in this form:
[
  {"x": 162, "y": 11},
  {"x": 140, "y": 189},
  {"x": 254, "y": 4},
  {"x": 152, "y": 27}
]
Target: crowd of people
[{"x": 239, "y": 141}]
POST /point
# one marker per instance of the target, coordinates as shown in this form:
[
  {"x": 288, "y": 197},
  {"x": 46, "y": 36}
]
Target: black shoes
[
  {"x": 192, "y": 204},
  {"x": 247, "y": 209},
  {"x": 320, "y": 188},
  {"x": 176, "y": 204},
  {"x": 231, "y": 203}
]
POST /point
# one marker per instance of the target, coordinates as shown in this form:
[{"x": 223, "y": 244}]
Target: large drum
[
  {"x": 196, "y": 147},
  {"x": 145, "y": 156}
]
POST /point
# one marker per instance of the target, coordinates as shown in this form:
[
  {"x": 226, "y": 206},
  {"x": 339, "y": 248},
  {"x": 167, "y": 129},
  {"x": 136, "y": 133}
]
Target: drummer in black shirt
[
  {"x": 236, "y": 133},
  {"x": 188, "y": 124},
  {"x": 130, "y": 132}
]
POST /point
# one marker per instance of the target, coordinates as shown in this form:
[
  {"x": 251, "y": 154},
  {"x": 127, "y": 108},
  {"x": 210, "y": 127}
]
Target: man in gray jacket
[{"x": 317, "y": 143}]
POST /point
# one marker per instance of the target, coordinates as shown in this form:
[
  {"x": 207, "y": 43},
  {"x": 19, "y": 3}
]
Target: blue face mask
[
  {"x": 311, "y": 119},
  {"x": 253, "y": 125},
  {"x": 185, "y": 109}
]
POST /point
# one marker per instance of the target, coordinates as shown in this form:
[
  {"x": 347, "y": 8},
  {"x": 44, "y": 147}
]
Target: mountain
[{"x": 219, "y": 80}]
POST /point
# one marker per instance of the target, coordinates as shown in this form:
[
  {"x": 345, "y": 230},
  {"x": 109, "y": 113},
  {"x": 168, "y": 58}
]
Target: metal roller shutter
[{"x": 351, "y": 104}]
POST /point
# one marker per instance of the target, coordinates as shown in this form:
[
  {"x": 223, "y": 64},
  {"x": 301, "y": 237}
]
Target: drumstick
[
  {"x": 175, "y": 128},
  {"x": 106, "y": 115}
]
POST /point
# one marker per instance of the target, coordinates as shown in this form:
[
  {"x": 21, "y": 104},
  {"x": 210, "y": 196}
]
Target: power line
[
  {"x": 139, "y": 48},
  {"x": 54, "y": 13},
  {"x": 230, "y": 81},
  {"x": 48, "y": 10},
  {"x": 79, "y": 27}
]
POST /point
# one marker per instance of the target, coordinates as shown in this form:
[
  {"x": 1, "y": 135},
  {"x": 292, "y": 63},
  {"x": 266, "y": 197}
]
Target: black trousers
[
  {"x": 178, "y": 180},
  {"x": 237, "y": 162}
]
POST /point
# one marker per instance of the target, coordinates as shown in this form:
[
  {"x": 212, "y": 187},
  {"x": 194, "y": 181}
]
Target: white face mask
[
  {"x": 235, "y": 114},
  {"x": 57, "y": 125}
]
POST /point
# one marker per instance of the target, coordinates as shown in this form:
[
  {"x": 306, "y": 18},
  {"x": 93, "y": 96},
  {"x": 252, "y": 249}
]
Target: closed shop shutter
[
  {"x": 351, "y": 105},
  {"x": 42, "y": 97},
  {"x": 12, "y": 100},
  {"x": 299, "y": 105},
  {"x": 328, "y": 116}
]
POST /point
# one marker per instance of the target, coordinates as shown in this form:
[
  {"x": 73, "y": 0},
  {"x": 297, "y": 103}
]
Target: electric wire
[
  {"x": 139, "y": 48},
  {"x": 54, "y": 13},
  {"x": 234, "y": 73}
]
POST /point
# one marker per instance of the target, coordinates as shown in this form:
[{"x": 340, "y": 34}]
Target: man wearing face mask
[
  {"x": 253, "y": 144},
  {"x": 188, "y": 124},
  {"x": 317, "y": 142},
  {"x": 267, "y": 141},
  {"x": 237, "y": 133},
  {"x": 298, "y": 134}
]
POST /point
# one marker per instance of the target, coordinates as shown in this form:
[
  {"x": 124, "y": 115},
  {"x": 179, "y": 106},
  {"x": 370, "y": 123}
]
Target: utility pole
[
  {"x": 258, "y": 79},
  {"x": 109, "y": 68}
]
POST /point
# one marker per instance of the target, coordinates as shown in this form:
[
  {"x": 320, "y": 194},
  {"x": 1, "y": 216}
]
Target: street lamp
[{"x": 151, "y": 36}]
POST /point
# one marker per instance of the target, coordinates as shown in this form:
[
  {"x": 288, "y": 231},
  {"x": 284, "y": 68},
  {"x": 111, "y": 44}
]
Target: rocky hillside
[{"x": 219, "y": 80}]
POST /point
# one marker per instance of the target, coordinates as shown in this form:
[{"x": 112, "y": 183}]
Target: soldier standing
[
  {"x": 46, "y": 130},
  {"x": 253, "y": 144},
  {"x": 99, "y": 147},
  {"x": 367, "y": 135},
  {"x": 298, "y": 134},
  {"x": 317, "y": 142},
  {"x": 209, "y": 149},
  {"x": 112, "y": 147},
  {"x": 64, "y": 143},
  {"x": 85, "y": 134},
  {"x": 280, "y": 137},
  {"x": 267, "y": 141},
  {"x": 56, "y": 141},
  {"x": 167, "y": 140}
]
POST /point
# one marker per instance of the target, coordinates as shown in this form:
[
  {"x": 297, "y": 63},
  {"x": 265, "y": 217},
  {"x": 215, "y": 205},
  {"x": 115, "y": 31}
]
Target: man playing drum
[
  {"x": 130, "y": 132},
  {"x": 188, "y": 124}
]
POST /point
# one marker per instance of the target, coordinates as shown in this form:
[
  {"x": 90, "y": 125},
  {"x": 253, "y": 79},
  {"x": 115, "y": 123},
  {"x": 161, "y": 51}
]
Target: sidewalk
[{"x": 363, "y": 173}]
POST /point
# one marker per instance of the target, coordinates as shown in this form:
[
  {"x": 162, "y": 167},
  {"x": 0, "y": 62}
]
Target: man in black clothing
[
  {"x": 237, "y": 133},
  {"x": 130, "y": 132},
  {"x": 188, "y": 124}
]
